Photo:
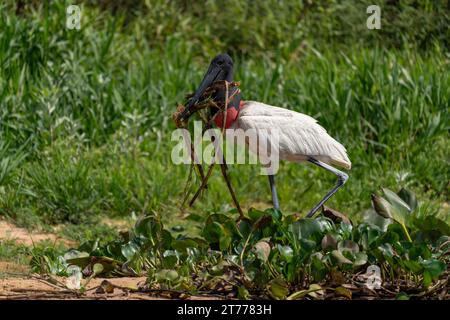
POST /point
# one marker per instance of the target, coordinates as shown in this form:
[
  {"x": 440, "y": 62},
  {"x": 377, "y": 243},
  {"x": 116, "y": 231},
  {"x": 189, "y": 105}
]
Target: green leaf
[
  {"x": 286, "y": 252},
  {"x": 311, "y": 229},
  {"x": 402, "y": 296},
  {"x": 314, "y": 291},
  {"x": 409, "y": 198},
  {"x": 148, "y": 228},
  {"x": 243, "y": 293},
  {"x": 278, "y": 288},
  {"x": 398, "y": 211},
  {"x": 413, "y": 266},
  {"x": 340, "y": 257},
  {"x": 97, "y": 269},
  {"x": 129, "y": 250},
  {"x": 343, "y": 292},
  {"x": 434, "y": 268},
  {"x": 360, "y": 259},
  {"x": 396, "y": 202}
]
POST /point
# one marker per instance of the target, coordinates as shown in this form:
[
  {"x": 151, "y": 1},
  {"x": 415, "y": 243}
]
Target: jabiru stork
[{"x": 301, "y": 138}]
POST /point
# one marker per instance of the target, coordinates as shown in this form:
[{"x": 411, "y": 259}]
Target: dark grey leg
[
  {"x": 276, "y": 204},
  {"x": 342, "y": 178}
]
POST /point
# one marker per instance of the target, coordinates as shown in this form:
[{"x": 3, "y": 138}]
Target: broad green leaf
[
  {"x": 148, "y": 228},
  {"x": 243, "y": 293},
  {"x": 129, "y": 250},
  {"x": 401, "y": 296},
  {"x": 340, "y": 257},
  {"x": 343, "y": 292},
  {"x": 286, "y": 252},
  {"x": 396, "y": 202},
  {"x": 360, "y": 259},
  {"x": 413, "y": 266},
  {"x": 434, "y": 268},
  {"x": 97, "y": 269},
  {"x": 278, "y": 288},
  {"x": 314, "y": 291},
  {"x": 409, "y": 198}
]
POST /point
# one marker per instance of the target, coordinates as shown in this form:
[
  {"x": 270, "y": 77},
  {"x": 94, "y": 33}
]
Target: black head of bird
[{"x": 220, "y": 68}]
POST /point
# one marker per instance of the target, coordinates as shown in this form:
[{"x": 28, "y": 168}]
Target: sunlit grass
[{"x": 86, "y": 117}]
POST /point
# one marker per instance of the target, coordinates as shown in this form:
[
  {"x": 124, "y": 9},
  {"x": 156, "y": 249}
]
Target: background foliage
[{"x": 85, "y": 115}]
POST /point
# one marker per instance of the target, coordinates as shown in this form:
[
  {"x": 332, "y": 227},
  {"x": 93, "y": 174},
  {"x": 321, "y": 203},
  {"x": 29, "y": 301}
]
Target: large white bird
[{"x": 300, "y": 137}]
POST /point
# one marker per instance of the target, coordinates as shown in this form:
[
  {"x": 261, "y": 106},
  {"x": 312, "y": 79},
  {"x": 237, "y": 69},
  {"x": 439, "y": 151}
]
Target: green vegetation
[
  {"x": 282, "y": 257},
  {"x": 85, "y": 126}
]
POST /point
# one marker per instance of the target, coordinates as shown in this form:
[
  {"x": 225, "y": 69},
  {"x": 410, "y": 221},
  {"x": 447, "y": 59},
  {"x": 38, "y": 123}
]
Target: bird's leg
[
  {"x": 276, "y": 204},
  {"x": 223, "y": 167},
  {"x": 342, "y": 178}
]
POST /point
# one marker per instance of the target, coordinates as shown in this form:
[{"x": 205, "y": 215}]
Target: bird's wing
[{"x": 299, "y": 135}]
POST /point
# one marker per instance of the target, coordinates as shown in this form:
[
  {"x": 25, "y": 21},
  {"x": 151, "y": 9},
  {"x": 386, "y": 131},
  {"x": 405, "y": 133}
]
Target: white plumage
[{"x": 300, "y": 136}]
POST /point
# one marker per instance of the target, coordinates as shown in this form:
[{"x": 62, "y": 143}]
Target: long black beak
[{"x": 210, "y": 77}]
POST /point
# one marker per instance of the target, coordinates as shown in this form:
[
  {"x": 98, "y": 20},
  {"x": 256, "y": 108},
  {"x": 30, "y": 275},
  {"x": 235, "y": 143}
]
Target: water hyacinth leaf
[
  {"x": 148, "y": 228},
  {"x": 243, "y": 293},
  {"x": 431, "y": 224},
  {"x": 286, "y": 252},
  {"x": 397, "y": 211},
  {"x": 343, "y": 292},
  {"x": 73, "y": 254},
  {"x": 314, "y": 291},
  {"x": 413, "y": 266},
  {"x": 170, "y": 258},
  {"x": 166, "y": 275},
  {"x": 274, "y": 213},
  {"x": 409, "y": 198},
  {"x": 371, "y": 217},
  {"x": 97, "y": 269},
  {"x": 348, "y": 245},
  {"x": 255, "y": 214},
  {"x": 171, "y": 275},
  {"x": 318, "y": 268},
  {"x": 129, "y": 250},
  {"x": 397, "y": 202},
  {"x": 402, "y": 296},
  {"x": 309, "y": 229},
  {"x": 278, "y": 288},
  {"x": 360, "y": 259},
  {"x": 262, "y": 250},
  {"x": 329, "y": 242},
  {"x": 224, "y": 242},
  {"x": 345, "y": 230},
  {"x": 434, "y": 268},
  {"x": 341, "y": 259}
]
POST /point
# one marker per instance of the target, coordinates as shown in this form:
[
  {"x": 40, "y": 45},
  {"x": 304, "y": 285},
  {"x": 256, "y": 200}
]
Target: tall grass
[{"x": 85, "y": 115}]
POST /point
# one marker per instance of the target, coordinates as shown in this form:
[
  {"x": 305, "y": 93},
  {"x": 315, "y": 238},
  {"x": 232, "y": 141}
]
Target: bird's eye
[{"x": 220, "y": 62}]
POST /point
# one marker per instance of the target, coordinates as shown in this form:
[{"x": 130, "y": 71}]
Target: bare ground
[
  {"x": 9, "y": 231},
  {"x": 17, "y": 283}
]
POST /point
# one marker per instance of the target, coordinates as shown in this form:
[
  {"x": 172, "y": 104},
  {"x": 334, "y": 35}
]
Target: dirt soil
[
  {"x": 17, "y": 283},
  {"x": 38, "y": 287},
  {"x": 9, "y": 231}
]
